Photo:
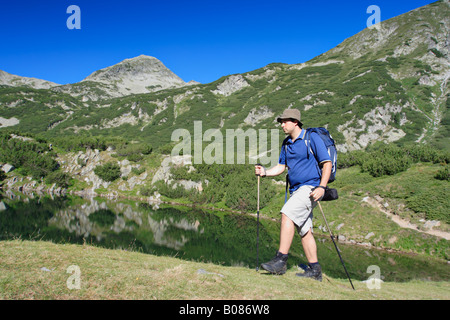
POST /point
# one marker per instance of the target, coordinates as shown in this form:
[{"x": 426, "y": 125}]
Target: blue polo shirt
[{"x": 303, "y": 170}]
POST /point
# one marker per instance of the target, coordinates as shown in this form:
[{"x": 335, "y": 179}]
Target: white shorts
[{"x": 299, "y": 208}]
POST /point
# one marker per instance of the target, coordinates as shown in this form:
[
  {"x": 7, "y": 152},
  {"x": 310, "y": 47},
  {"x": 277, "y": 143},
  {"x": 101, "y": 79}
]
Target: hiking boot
[
  {"x": 277, "y": 265},
  {"x": 312, "y": 271}
]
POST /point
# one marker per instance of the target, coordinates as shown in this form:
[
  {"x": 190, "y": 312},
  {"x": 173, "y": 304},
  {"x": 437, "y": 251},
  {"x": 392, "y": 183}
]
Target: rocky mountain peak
[
  {"x": 141, "y": 74},
  {"x": 142, "y": 65}
]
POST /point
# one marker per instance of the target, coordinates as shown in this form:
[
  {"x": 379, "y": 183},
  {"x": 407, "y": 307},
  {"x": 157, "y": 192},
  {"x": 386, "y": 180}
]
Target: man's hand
[
  {"x": 260, "y": 170},
  {"x": 317, "y": 193},
  {"x": 272, "y": 172}
]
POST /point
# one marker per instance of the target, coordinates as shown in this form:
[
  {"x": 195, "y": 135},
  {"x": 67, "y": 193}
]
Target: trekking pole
[
  {"x": 257, "y": 229},
  {"x": 332, "y": 239}
]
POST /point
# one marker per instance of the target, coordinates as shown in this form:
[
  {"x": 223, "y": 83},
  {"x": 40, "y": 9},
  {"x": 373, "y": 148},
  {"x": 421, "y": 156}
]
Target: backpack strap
[
  {"x": 309, "y": 150},
  {"x": 287, "y": 184},
  {"x": 287, "y": 175},
  {"x": 307, "y": 139}
]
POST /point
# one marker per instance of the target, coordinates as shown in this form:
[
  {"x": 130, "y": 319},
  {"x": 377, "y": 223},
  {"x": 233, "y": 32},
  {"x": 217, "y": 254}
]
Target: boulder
[{"x": 7, "y": 168}]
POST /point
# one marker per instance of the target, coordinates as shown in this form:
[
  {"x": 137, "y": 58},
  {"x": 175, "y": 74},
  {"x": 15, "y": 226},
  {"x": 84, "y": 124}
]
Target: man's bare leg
[
  {"x": 287, "y": 232},
  {"x": 310, "y": 247},
  {"x": 278, "y": 265}
]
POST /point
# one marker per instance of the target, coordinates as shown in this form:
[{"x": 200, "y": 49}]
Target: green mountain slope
[{"x": 384, "y": 84}]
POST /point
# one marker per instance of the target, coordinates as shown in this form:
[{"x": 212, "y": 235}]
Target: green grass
[{"x": 116, "y": 274}]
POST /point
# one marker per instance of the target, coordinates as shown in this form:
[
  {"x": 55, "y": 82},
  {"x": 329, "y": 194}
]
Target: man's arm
[
  {"x": 326, "y": 172},
  {"x": 275, "y": 171}
]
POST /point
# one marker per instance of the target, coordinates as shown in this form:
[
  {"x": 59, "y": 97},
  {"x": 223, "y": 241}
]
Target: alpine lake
[{"x": 194, "y": 234}]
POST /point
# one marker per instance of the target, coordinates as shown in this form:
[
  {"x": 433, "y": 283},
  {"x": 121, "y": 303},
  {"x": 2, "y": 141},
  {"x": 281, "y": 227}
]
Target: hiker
[{"x": 307, "y": 187}]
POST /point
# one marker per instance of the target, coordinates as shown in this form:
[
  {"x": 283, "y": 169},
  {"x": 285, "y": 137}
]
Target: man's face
[{"x": 288, "y": 126}]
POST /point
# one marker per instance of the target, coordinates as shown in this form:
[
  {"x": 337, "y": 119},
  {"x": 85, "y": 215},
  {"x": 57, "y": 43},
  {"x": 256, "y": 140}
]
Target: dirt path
[{"x": 402, "y": 222}]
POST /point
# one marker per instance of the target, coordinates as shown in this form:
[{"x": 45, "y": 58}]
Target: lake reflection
[
  {"x": 187, "y": 233},
  {"x": 184, "y": 232}
]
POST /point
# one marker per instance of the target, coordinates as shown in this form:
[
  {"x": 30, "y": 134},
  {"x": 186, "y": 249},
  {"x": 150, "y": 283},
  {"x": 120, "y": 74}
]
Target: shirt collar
[{"x": 299, "y": 137}]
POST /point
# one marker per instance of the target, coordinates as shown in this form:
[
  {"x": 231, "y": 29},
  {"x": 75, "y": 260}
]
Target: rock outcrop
[{"x": 142, "y": 74}]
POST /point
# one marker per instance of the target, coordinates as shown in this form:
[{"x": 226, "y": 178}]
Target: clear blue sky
[{"x": 200, "y": 40}]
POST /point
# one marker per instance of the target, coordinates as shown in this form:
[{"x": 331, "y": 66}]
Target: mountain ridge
[
  {"x": 388, "y": 84},
  {"x": 9, "y": 79},
  {"x": 141, "y": 74}
]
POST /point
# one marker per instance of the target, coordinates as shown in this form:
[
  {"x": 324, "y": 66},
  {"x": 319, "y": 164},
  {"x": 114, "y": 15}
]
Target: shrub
[
  {"x": 108, "y": 172},
  {"x": 381, "y": 159},
  {"x": 241, "y": 191},
  {"x": 135, "y": 157},
  {"x": 443, "y": 174},
  {"x": 210, "y": 194},
  {"x": 350, "y": 159},
  {"x": 425, "y": 153},
  {"x": 146, "y": 191},
  {"x": 137, "y": 171},
  {"x": 128, "y": 149},
  {"x": 382, "y": 164},
  {"x": 133, "y": 152},
  {"x": 59, "y": 177},
  {"x": 30, "y": 157},
  {"x": 437, "y": 53},
  {"x": 171, "y": 191},
  {"x": 433, "y": 204},
  {"x": 80, "y": 143}
]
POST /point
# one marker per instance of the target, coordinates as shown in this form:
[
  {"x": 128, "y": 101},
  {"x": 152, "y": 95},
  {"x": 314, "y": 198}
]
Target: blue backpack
[{"x": 329, "y": 144}]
